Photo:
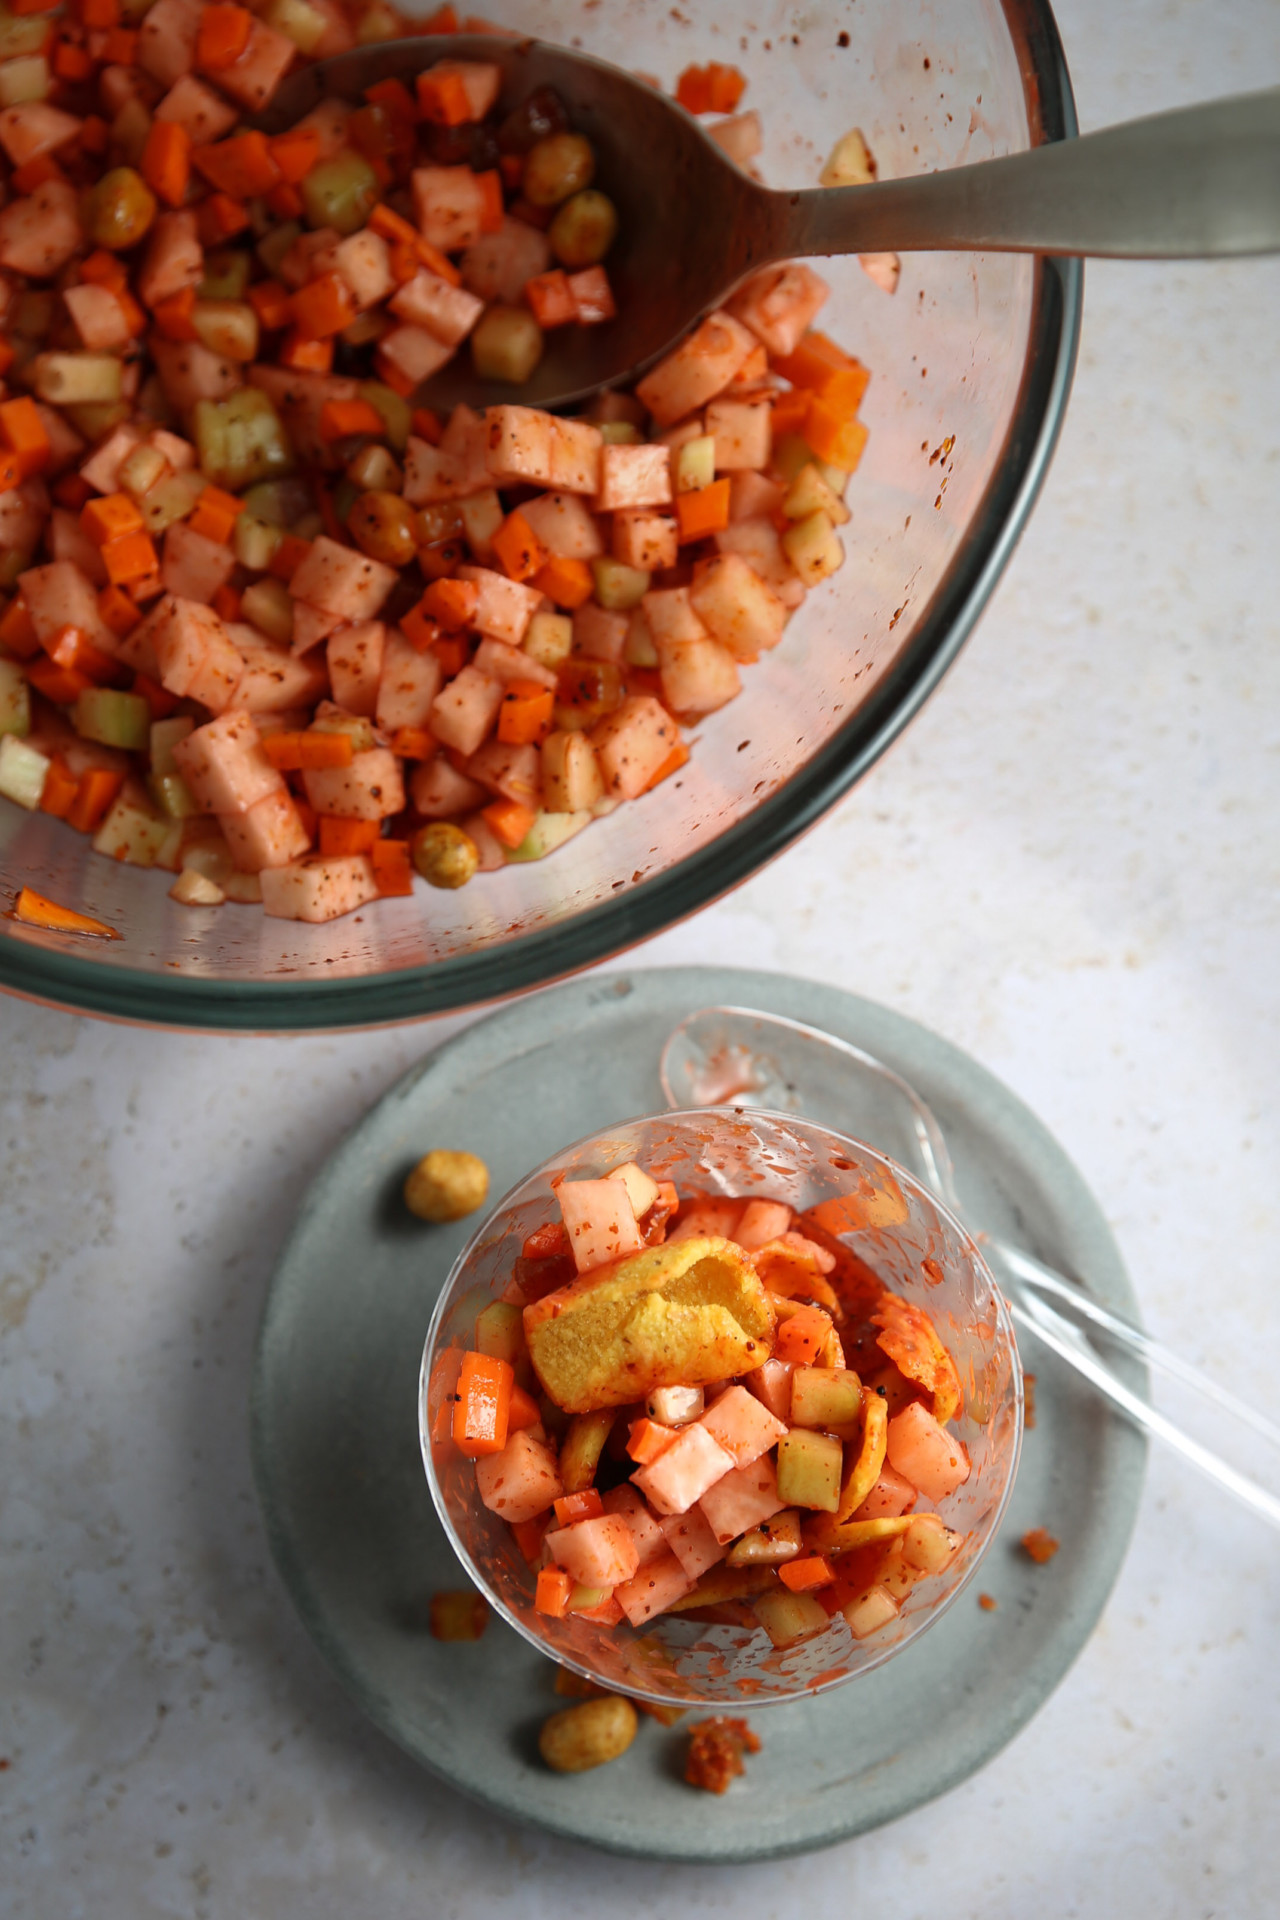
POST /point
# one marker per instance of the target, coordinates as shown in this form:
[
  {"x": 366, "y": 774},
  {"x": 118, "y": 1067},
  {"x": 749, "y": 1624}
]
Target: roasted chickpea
[
  {"x": 446, "y": 1185},
  {"x": 584, "y": 229},
  {"x": 121, "y": 209},
  {"x": 562, "y": 164},
  {"x": 588, "y": 1735},
  {"x": 444, "y": 855},
  {"x": 384, "y": 527},
  {"x": 506, "y": 344}
]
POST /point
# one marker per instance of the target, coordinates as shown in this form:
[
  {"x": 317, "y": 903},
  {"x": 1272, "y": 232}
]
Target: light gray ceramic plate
[{"x": 356, "y": 1539}]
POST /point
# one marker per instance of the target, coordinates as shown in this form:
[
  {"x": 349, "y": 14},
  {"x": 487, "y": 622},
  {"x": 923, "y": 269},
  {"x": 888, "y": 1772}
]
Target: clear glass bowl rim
[
  {"x": 552, "y": 953},
  {"x": 1006, "y": 1332}
]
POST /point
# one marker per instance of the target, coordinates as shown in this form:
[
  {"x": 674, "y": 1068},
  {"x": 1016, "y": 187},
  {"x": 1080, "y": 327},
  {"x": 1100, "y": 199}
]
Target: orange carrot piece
[
  {"x": 121, "y": 49},
  {"x": 804, "y": 1574},
  {"x": 593, "y": 299},
  {"x": 586, "y": 1505},
  {"x": 96, "y": 793},
  {"x": 672, "y": 764},
  {"x": 426, "y": 425},
  {"x": 173, "y": 317},
  {"x": 22, "y": 431},
  {"x": 35, "y": 172},
  {"x": 62, "y": 685},
  {"x": 491, "y": 207},
  {"x": 646, "y": 1440},
  {"x": 393, "y": 876},
  {"x": 223, "y": 36},
  {"x": 393, "y": 226},
  {"x": 216, "y": 514},
  {"x": 7, "y": 357},
  {"x": 549, "y": 299},
  {"x": 166, "y": 161},
  {"x": 18, "y": 635},
  {"x": 552, "y": 1593},
  {"x": 693, "y": 90},
  {"x": 308, "y": 752},
  {"x": 109, "y": 518},
  {"x": 72, "y": 650},
  {"x": 529, "y": 1533},
  {"x": 790, "y": 411},
  {"x": 161, "y": 702},
  {"x": 545, "y": 1242},
  {"x": 834, "y": 436},
  {"x": 295, "y": 153},
  {"x": 518, "y": 548},
  {"x": 302, "y": 355},
  {"x": 226, "y": 603},
  {"x": 451, "y": 602},
  {"x": 288, "y": 557},
  {"x": 442, "y": 99},
  {"x": 100, "y": 14},
  {"x": 220, "y": 218},
  {"x": 103, "y": 269},
  {"x": 94, "y": 133},
  {"x": 443, "y": 20},
  {"x": 286, "y": 202},
  {"x": 71, "y": 62},
  {"x": 725, "y": 86},
  {"x": 118, "y": 611},
  {"x": 483, "y": 1406},
  {"x": 60, "y": 789},
  {"x": 413, "y": 743},
  {"x": 272, "y": 304},
  {"x": 525, "y": 714},
  {"x": 569, "y": 583},
  {"x": 802, "y": 1336},
  {"x": 340, "y": 419},
  {"x": 323, "y": 307},
  {"x": 130, "y": 558},
  {"x": 451, "y": 653},
  {"x": 704, "y": 511},
  {"x": 36, "y": 911},
  {"x": 242, "y": 167},
  {"x": 418, "y": 628},
  {"x": 508, "y": 821},
  {"x": 813, "y": 361},
  {"x": 340, "y": 836}
]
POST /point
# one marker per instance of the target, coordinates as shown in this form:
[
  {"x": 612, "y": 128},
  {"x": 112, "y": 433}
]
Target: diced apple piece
[
  {"x": 809, "y": 1466},
  {"x": 520, "y": 1482},
  {"x": 342, "y": 581},
  {"x": 23, "y": 769},
  {"x": 741, "y": 1423},
  {"x": 870, "y": 1611},
  {"x": 167, "y": 40},
  {"x": 890, "y": 1497},
  {"x": 440, "y": 792},
  {"x": 224, "y": 765},
  {"x": 850, "y": 164},
  {"x": 928, "y": 1544},
  {"x": 506, "y": 663},
  {"x": 637, "y": 476},
  {"x": 651, "y": 1541},
  {"x": 599, "y": 634},
  {"x": 39, "y": 233},
  {"x": 571, "y": 777},
  {"x": 743, "y": 434},
  {"x": 684, "y": 1471},
  {"x": 644, "y": 540},
  {"x": 737, "y": 608},
  {"x": 652, "y": 1590},
  {"x": 174, "y": 259},
  {"x": 670, "y": 614},
  {"x": 828, "y": 1399},
  {"x": 447, "y": 312},
  {"x": 504, "y": 608},
  {"x": 814, "y": 548},
  {"x": 757, "y": 541},
  {"x": 321, "y": 888},
  {"x": 698, "y": 676},
  {"x": 742, "y": 1499},
  {"x": 788, "y": 1617},
  {"x": 576, "y": 447},
  {"x": 599, "y": 1221},
  {"x": 192, "y": 565},
  {"x": 254, "y": 77},
  {"x": 716, "y": 1218},
  {"x": 690, "y": 1538},
  {"x": 762, "y": 1221},
  {"x": 598, "y": 1553},
  {"x": 363, "y": 260},
  {"x": 924, "y": 1453},
  {"x": 642, "y": 1191},
  {"x": 449, "y": 203}
]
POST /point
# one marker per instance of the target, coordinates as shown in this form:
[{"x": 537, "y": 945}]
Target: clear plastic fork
[{"x": 740, "y": 1057}]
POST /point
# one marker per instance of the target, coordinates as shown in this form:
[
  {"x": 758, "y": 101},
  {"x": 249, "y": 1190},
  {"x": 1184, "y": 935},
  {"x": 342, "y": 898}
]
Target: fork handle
[{"x": 1191, "y": 184}]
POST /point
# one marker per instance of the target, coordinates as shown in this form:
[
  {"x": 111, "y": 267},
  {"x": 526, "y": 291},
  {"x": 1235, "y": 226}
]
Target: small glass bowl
[{"x": 911, "y": 1242}]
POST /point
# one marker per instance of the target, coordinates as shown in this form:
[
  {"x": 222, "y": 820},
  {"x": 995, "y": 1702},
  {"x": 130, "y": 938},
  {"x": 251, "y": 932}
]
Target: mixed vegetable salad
[
  {"x": 273, "y": 626},
  {"x": 684, "y": 1404}
]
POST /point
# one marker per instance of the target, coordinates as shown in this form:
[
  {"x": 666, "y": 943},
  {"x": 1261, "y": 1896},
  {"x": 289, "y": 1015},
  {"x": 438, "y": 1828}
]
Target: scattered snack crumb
[
  {"x": 588, "y": 1735},
  {"x": 1040, "y": 1545},
  {"x": 458, "y": 1616},
  {"x": 988, "y": 1602},
  {"x": 1028, "y": 1401},
  {"x": 36, "y": 911},
  {"x": 716, "y": 1748},
  {"x": 446, "y": 1185}
]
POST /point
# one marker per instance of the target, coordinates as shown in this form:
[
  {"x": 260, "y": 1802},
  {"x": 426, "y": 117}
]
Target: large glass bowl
[
  {"x": 971, "y": 363},
  {"x": 912, "y": 1243}
]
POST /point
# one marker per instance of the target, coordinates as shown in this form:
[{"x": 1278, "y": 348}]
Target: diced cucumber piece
[
  {"x": 226, "y": 275},
  {"x": 298, "y": 22},
  {"x": 132, "y": 831},
  {"x": 549, "y": 831},
  {"x": 809, "y": 1466},
  {"x": 809, "y": 493},
  {"x": 788, "y": 1617},
  {"x": 274, "y": 245},
  {"x": 340, "y": 193},
  {"x": 549, "y": 639},
  {"x": 814, "y": 548},
  {"x": 696, "y": 464},
  {"x": 241, "y": 440},
  {"x": 192, "y": 889},
  {"x": 396, "y": 413},
  {"x": 170, "y": 500},
  {"x": 639, "y": 650},
  {"x": 22, "y": 771},
  {"x": 173, "y": 796},
  {"x": 112, "y": 718},
  {"x": 22, "y": 33},
  {"x": 837, "y": 478},
  {"x": 281, "y": 503},
  {"x": 268, "y": 606},
  {"x": 828, "y": 1398},
  {"x": 25, "y": 78},
  {"x": 358, "y": 730},
  {"x": 141, "y": 471},
  {"x": 500, "y": 1331},
  {"x": 790, "y": 454},
  {"x": 255, "y": 542},
  {"x": 506, "y": 344},
  {"x": 15, "y": 699},
  {"x": 620, "y": 433},
  {"x": 619, "y": 587},
  {"x": 165, "y": 735}
]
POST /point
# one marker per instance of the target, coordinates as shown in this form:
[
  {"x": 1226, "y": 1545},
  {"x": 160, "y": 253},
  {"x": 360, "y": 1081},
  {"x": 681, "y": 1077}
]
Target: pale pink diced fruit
[
  {"x": 439, "y": 792},
  {"x": 520, "y": 1482},
  {"x": 505, "y": 607},
  {"x": 449, "y": 203},
  {"x": 270, "y": 834},
  {"x": 39, "y": 234},
  {"x": 409, "y": 683},
  {"x": 924, "y": 1453},
  {"x": 737, "y": 608},
  {"x": 670, "y": 614},
  {"x": 311, "y": 626},
  {"x": 364, "y": 261},
  {"x": 498, "y": 266},
  {"x": 65, "y": 444},
  {"x": 192, "y": 565},
  {"x": 66, "y": 539},
  {"x": 762, "y": 1221},
  {"x": 632, "y": 744},
  {"x": 371, "y": 788},
  {"x": 757, "y": 541},
  {"x": 504, "y": 662},
  {"x": 771, "y": 1385},
  {"x": 653, "y": 1589},
  {"x": 717, "y": 1219},
  {"x": 481, "y": 80},
  {"x": 743, "y": 432},
  {"x": 743, "y": 1425},
  {"x": 191, "y": 104},
  {"x": 254, "y": 77},
  {"x": 102, "y": 468},
  {"x": 700, "y": 368},
  {"x": 519, "y": 445},
  {"x": 355, "y": 665},
  {"x": 34, "y": 128},
  {"x": 697, "y": 676},
  {"x": 341, "y": 580},
  {"x": 599, "y": 1221},
  {"x": 515, "y": 772},
  {"x": 779, "y": 304},
  {"x": 322, "y": 888},
  {"x": 651, "y": 1542},
  {"x": 224, "y": 765},
  {"x": 637, "y": 476},
  {"x": 167, "y": 41},
  {"x": 596, "y": 1553},
  {"x": 644, "y": 540},
  {"x": 414, "y": 353},
  {"x": 565, "y": 525},
  {"x": 174, "y": 258},
  {"x": 99, "y": 318},
  {"x": 742, "y": 1500},
  {"x": 891, "y": 1496},
  {"x": 576, "y": 449},
  {"x": 275, "y": 680},
  {"x": 690, "y": 1538},
  {"x": 465, "y": 710},
  {"x": 197, "y": 660},
  {"x": 190, "y": 372},
  {"x": 58, "y": 596},
  {"x": 599, "y": 634},
  {"x": 754, "y": 496},
  {"x": 682, "y": 1472},
  {"x": 642, "y": 1191},
  {"x": 448, "y": 313}
]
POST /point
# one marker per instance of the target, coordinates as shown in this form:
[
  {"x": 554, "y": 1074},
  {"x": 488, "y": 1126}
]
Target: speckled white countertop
[{"x": 1070, "y": 865}]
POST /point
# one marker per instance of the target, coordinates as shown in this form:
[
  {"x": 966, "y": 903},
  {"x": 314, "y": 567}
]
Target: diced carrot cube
[
  {"x": 18, "y": 634},
  {"x": 158, "y": 698},
  {"x": 525, "y": 715},
  {"x": 646, "y": 1439},
  {"x": 166, "y": 161},
  {"x": 442, "y": 99},
  {"x": 94, "y": 796},
  {"x": 35, "y": 172},
  {"x": 323, "y": 307},
  {"x": 452, "y": 603},
  {"x": 296, "y": 153},
  {"x": 118, "y": 611},
  {"x": 23, "y": 433},
  {"x": 551, "y": 1594},
  {"x": 550, "y": 300},
  {"x": 272, "y": 304},
  {"x": 812, "y": 363},
  {"x": 508, "y": 821},
  {"x": 483, "y": 1404},
  {"x": 791, "y": 411},
  {"x": 121, "y": 49},
  {"x": 103, "y": 269},
  {"x": 62, "y": 685},
  {"x": 173, "y": 317},
  {"x": 220, "y": 218},
  {"x": 393, "y": 871},
  {"x": 71, "y": 62},
  {"x": 569, "y": 583},
  {"x": 586, "y": 1505},
  {"x": 94, "y": 133},
  {"x": 452, "y": 655},
  {"x": 806, "y": 1573},
  {"x": 677, "y": 757},
  {"x": 492, "y": 211},
  {"x": 241, "y": 167},
  {"x": 339, "y": 419},
  {"x": 286, "y": 202},
  {"x": 834, "y": 436},
  {"x": 310, "y": 752},
  {"x": 61, "y": 786},
  {"x": 226, "y": 603},
  {"x": 100, "y": 14},
  {"x": 347, "y": 836},
  {"x": 518, "y": 548},
  {"x": 426, "y": 425},
  {"x": 302, "y": 355},
  {"x": 131, "y": 558},
  {"x": 726, "y": 87},
  {"x": 693, "y": 90},
  {"x": 222, "y": 37},
  {"x": 110, "y": 518},
  {"x": 802, "y": 1336},
  {"x": 703, "y": 511},
  {"x": 216, "y": 514}
]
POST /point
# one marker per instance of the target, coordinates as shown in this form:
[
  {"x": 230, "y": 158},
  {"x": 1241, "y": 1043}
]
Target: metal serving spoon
[
  {"x": 735, "y": 1056},
  {"x": 1202, "y": 181}
]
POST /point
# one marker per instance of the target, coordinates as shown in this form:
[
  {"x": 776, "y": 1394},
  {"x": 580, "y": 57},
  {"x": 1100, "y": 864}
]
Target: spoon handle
[{"x": 1201, "y": 181}]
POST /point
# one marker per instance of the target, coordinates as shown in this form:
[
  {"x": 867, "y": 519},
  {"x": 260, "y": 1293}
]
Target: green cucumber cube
[
  {"x": 113, "y": 719},
  {"x": 809, "y": 1468},
  {"x": 22, "y": 771},
  {"x": 619, "y": 587},
  {"x": 827, "y": 1398},
  {"x": 15, "y": 699},
  {"x": 549, "y": 831}
]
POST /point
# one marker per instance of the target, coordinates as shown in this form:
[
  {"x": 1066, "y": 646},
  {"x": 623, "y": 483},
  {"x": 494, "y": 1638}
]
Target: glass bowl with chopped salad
[
  {"x": 720, "y": 1408},
  {"x": 322, "y": 703}
]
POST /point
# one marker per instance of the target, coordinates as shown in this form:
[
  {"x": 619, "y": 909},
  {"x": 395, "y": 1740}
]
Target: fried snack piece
[
  {"x": 909, "y": 1337},
  {"x": 679, "y": 1315}
]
